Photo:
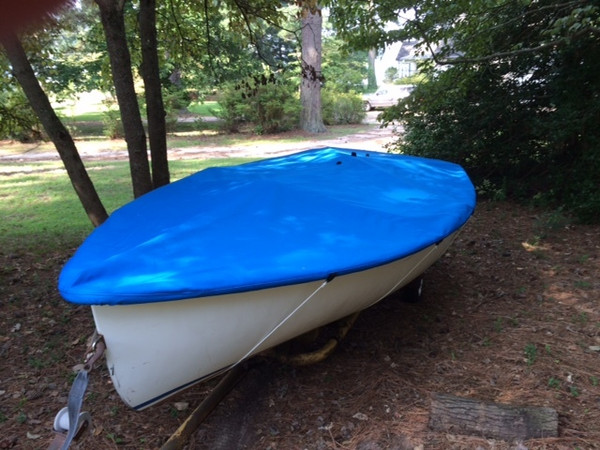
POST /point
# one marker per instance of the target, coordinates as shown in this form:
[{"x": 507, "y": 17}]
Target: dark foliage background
[{"x": 515, "y": 99}]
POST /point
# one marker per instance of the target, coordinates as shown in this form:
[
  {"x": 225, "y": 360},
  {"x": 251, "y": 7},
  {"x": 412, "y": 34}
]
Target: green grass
[
  {"x": 206, "y": 108},
  {"x": 97, "y": 112},
  {"x": 86, "y": 116},
  {"x": 87, "y": 119},
  {"x": 531, "y": 353},
  {"x": 40, "y": 211}
]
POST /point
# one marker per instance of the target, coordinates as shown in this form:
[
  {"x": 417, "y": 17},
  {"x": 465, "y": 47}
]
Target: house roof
[{"x": 408, "y": 51}]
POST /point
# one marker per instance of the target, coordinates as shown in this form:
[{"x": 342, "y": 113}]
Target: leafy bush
[
  {"x": 270, "y": 104},
  {"x": 390, "y": 74},
  {"x": 515, "y": 98},
  {"x": 174, "y": 101},
  {"x": 111, "y": 121},
  {"x": 17, "y": 119},
  {"x": 529, "y": 133},
  {"x": 342, "y": 107}
]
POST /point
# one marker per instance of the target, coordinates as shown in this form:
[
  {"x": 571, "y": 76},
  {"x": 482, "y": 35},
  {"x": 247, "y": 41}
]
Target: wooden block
[{"x": 491, "y": 420}]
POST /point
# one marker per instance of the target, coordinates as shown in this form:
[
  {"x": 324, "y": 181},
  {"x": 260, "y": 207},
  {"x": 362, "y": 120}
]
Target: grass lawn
[
  {"x": 207, "y": 108},
  {"x": 40, "y": 211}
]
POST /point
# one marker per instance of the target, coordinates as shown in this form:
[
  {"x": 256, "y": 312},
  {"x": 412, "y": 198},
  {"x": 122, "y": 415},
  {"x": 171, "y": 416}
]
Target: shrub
[
  {"x": 175, "y": 101},
  {"x": 342, "y": 108},
  {"x": 390, "y": 74},
  {"x": 17, "y": 119},
  {"x": 270, "y": 104},
  {"x": 530, "y": 139},
  {"x": 111, "y": 122}
]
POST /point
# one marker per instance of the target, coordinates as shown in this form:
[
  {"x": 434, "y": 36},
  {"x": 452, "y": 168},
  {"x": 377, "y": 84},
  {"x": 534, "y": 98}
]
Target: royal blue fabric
[{"x": 269, "y": 223}]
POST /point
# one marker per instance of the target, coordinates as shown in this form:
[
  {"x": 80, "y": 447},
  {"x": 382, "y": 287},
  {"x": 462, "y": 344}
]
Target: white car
[{"x": 387, "y": 96}]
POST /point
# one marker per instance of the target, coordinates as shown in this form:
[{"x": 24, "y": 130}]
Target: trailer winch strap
[{"x": 65, "y": 432}]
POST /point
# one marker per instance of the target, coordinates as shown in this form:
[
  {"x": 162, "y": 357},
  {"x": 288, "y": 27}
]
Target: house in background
[
  {"x": 408, "y": 58},
  {"x": 402, "y": 56},
  {"x": 405, "y": 58}
]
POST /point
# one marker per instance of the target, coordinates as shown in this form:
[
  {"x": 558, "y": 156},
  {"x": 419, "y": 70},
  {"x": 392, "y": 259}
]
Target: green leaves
[
  {"x": 513, "y": 94},
  {"x": 575, "y": 21}
]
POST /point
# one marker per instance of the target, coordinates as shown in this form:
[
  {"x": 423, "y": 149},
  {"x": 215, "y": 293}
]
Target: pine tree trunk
[
  {"x": 113, "y": 23},
  {"x": 55, "y": 129},
  {"x": 311, "y": 118},
  {"x": 157, "y": 130}
]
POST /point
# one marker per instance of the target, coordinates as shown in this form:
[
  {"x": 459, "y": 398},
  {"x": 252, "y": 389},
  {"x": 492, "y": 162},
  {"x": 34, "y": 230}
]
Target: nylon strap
[
  {"x": 76, "y": 394},
  {"x": 74, "y": 405}
]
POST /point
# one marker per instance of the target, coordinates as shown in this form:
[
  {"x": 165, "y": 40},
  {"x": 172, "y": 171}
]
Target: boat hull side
[{"x": 157, "y": 349}]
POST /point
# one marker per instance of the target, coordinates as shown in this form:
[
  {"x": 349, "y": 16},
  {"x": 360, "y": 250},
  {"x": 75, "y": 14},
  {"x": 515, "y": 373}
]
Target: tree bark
[
  {"x": 491, "y": 420},
  {"x": 311, "y": 118},
  {"x": 371, "y": 78},
  {"x": 55, "y": 129},
  {"x": 155, "y": 110},
  {"x": 113, "y": 23}
]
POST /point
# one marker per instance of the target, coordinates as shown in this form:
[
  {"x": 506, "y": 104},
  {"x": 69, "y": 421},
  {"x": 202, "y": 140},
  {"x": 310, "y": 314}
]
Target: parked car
[{"x": 387, "y": 96}]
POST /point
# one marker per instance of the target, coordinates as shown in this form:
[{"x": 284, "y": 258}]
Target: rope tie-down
[
  {"x": 227, "y": 383},
  {"x": 179, "y": 439},
  {"x": 341, "y": 328},
  {"x": 335, "y": 333}
]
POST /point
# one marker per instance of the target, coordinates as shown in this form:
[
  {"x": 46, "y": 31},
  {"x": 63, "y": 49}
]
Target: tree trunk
[
  {"x": 57, "y": 132},
  {"x": 371, "y": 78},
  {"x": 491, "y": 420},
  {"x": 113, "y": 23},
  {"x": 311, "y": 119},
  {"x": 157, "y": 130}
]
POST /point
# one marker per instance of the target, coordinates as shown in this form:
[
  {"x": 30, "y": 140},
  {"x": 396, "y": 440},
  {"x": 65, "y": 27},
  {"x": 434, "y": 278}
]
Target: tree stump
[{"x": 491, "y": 420}]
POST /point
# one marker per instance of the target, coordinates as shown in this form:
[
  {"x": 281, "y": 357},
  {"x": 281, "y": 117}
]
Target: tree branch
[
  {"x": 243, "y": 8},
  {"x": 510, "y": 53}
]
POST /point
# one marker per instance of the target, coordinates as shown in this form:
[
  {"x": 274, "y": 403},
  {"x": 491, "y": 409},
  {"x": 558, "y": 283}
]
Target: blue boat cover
[{"x": 269, "y": 223}]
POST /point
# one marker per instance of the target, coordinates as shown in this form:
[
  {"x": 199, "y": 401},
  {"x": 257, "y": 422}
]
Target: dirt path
[{"x": 374, "y": 139}]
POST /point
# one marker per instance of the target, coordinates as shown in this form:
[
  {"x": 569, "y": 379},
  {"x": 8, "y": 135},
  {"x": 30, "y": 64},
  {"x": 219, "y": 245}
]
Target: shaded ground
[{"x": 510, "y": 314}]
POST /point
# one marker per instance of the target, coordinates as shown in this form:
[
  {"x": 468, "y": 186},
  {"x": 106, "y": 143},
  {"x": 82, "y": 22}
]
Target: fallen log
[{"x": 491, "y": 420}]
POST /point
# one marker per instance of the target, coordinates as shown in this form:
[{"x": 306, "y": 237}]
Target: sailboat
[{"x": 195, "y": 277}]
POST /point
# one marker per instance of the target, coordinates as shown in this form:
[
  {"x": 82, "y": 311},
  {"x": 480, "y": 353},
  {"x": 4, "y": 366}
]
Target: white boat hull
[{"x": 154, "y": 350}]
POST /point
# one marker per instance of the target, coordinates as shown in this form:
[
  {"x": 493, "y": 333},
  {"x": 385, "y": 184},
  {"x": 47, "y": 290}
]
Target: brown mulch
[{"x": 510, "y": 314}]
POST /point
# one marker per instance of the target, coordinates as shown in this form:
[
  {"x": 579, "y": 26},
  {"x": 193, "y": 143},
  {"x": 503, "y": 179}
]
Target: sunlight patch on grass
[
  {"x": 88, "y": 104},
  {"x": 194, "y": 133},
  {"x": 40, "y": 210},
  {"x": 207, "y": 108},
  {"x": 88, "y": 116}
]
